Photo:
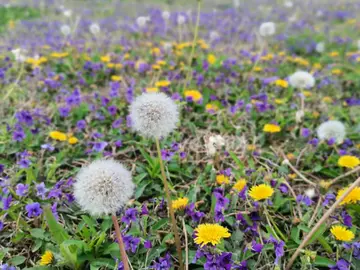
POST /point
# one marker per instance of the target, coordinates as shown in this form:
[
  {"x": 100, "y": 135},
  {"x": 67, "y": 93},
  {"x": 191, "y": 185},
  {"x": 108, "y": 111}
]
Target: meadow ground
[{"x": 237, "y": 125}]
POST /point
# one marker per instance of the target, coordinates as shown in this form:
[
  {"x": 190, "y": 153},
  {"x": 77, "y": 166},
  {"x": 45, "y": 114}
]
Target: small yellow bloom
[
  {"x": 73, "y": 140},
  {"x": 261, "y": 192},
  {"x": 11, "y": 24},
  {"x": 240, "y": 184},
  {"x": 292, "y": 175},
  {"x": 105, "y": 59},
  {"x": 161, "y": 62},
  {"x": 180, "y": 203},
  {"x": 156, "y": 67},
  {"x": 271, "y": 128},
  {"x": 316, "y": 114},
  {"x": 324, "y": 184},
  {"x": 317, "y": 66},
  {"x": 59, "y": 54},
  {"x": 282, "y": 83},
  {"x": 47, "y": 258},
  {"x": 162, "y": 84},
  {"x": 327, "y": 99},
  {"x": 152, "y": 90},
  {"x": 126, "y": 56},
  {"x": 258, "y": 69},
  {"x": 211, "y": 59},
  {"x": 348, "y": 161},
  {"x": 194, "y": 95},
  {"x": 251, "y": 147},
  {"x": 290, "y": 156},
  {"x": 279, "y": 101},
  {"x": 57, "y": 135},
  {"x": 307, "y": 93},
  {"x": 351, "y": 198},
  {"x": 334, "y": 54},
  {"x": 155, "y": 51},
  {"x": 210, "y": 233},
  {"x": 222, "y": 179},
  {"x": 211, "y": 107},
  {"x": 336, "y": 71},
  {"x": 116, "y": 78},
  {"x": 341, "y": 233}
]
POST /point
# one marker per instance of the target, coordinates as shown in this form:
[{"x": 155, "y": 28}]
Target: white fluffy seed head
[
  {"x": 142, "y": 21},
  {"x": 310, "y": 192},
  {"x": 288, "y": 4},
  {"x": 320, "y": 47},
  {"x": 332, "y": 129},
  {"x": 165, "y": 15},
  {"x": 154, "y": 115},
  {"x": 103, "y": 187},
  {"x": 302, "y": 80},
  {"x": 180, "y": 19},
  {"x": 65, "y": 30},
  {"x": 67, "y": 13},
  {"x": 267, "y": 29},
  {"x": 236, "y": 3},
  {"x": 94, "y": 29},
  {"x": 214, "y": 35}
]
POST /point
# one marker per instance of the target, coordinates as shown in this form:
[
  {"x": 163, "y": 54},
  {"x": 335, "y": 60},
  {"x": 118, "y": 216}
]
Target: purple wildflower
[{"x": 33, "y": 209}]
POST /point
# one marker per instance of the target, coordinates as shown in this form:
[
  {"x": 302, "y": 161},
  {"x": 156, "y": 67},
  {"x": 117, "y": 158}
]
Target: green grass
[{"x": 8, "y": 14}]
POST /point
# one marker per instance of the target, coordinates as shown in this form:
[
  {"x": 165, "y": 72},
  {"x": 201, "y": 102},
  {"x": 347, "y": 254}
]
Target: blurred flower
[
  {"x": 210, "y": 233},
  {"x": 21, "y": 189},
  {"x": 65, "y": 30},
  {"x": 73, "y": 140},
  {"x": 267, "y": 29},
  {"x": 332, "y": 129},
  {"x": 180, "y": 203},
  {"x": 94, "y": 29},
  {"x": 341, "y": 233},
  {"x": 352, "y": 198},
  {"x": 302, "y": 80},
  {"x": 341, "y": 265},
  {"x": 57, "y": 135},
  {"x": 261, "y": 192},
  {"x": 240, "y": 185},
  {"x": 222, "y": 179},
  {"x": 271, "y": 128},
  {"x": 193, "y": 96},
  {"x": 47, "y": 258},
  {"x": 320, "y": 47}
]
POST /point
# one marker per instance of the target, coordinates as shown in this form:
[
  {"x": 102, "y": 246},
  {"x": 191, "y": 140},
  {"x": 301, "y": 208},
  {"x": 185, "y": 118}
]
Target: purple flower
[
  {"x": 148, "y": 244},
  {"x": 256, "y": 247},
  {"x": 81, "y": 124},
  {"x": 328, "y": 197},
  {"x": 19, "y": 135},
  {"x": 118, "y": 143},
  {"x": 112, "y": 110},
  {"x": 162, "y": 263},
  {"x": 54, "y": 211},
  {"x": 131, "y": 243},
  {"x": 2, "y": 168},
  {"x": 304, "y": 199},
  {"x": 221, "y": 201},
  {"x": 279, "y": 248},
  {"x": 130, "y": 215},
  {"x": 305, "y": 132},
  {"x": 41, "y": 190},
  {"x": 182, "y": 155},
  {"x": 48, "y": 147},
  {"x": 347, "y": 219},
  {"x": 64, "y": 111},
  {"x": 7, "y": 202},
  {"x": 144, "y": 210},
  {"x": 24, "y": 163},
  {"x": 21, "y": 189},
  {"x": 283, "y": 188},
  {"x": 331, "y": 141},
  {"x": 314, "y": 142},
  {"x": 33, "y": 209},
  {"x": 166, "y": 155},
  {"x": 340, "y": 265},
  {"x": 99, "y": 146}
]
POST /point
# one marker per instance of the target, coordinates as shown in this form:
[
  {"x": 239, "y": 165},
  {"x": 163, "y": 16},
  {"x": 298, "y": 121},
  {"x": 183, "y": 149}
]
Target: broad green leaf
[{"x": 57, "y": 232}]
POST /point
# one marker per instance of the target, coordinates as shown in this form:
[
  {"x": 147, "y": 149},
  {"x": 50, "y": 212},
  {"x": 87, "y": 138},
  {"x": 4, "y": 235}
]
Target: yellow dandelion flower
[
  {"x": 110, "y": 65},
  {"x": 152, "y": 90},
  {"x": 341, "y": 233},
  {"x": 348, "y": 161},
  {"x": 105, "y": 59},
  {"x": 251, "y": 147},
  {"x": 126, "y": 56},
  {"x": 307, "y": 93},
  {"x": 351, "y": 198},
  {"x": 162, "y": 84},
  {"x": 317, "y": 66},
  {"x": 282, "y": 83},
  {"x": 211, "y": 59},
  {"x": 180, "y": 203},
  {"x": 155, "y": 51},
  {"x": 59, "y": 54},
  {"x": 279, "y": 101},
  {"x": 210, "y": 234},
  {"x": 116, "y": 78},
  {"x": 327, "y": 99},
  {"x": 316, "y": 114},
  {"x": 271, "y": 128},
  {"x": 73, "y": 140},
  {"x": 290, "y": 156},
  {"x": 240, "y": 184},
  {"x": 11, "y": 24},
  {"x": 292, "y": 175},
  {"x": 47, "y": 258},
  {"x": 336, "y": 71},
  {"x": 222, "y": 179},
  {"x": 324, "y": 184},
  {"x": 258, "y": 69},
  {"x": 161, "y": 62},
  {"x": 57, "y": 135},
  {"x": 333, "y": 54},
  {"x": 261, "y": 192},
  {"x": 118, "y": 66},
  {"x": 156, "y": 67},
  {"x": 211, "y": 107},
  {"x": 193, "y": 95}
]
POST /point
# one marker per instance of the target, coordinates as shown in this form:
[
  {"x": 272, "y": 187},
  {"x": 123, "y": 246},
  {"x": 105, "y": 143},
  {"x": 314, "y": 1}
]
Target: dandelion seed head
[
  {"x": 267, "y": 29},
  {"x": 332, "y": 129},
  {"x": 103, "y": 187},
  {"x": 302, "y": 79},
  {"x": 154, "y": 115}
]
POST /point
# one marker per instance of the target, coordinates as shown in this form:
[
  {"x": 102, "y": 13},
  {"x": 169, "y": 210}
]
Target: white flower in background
[
  {"x": 302, "y": 80},
  {"x": 214, "y": 144},
  {"x": 293, "y": 18},
  {"x": 19, "y": 55},
  {"x": 65, "y": 30},
  {"x": 319, "y": 13},
  {"x": 67, "y": 13},
  {"x": 94, "y": 29},
  {"x": 236, "y": 3},
  {"x": 180, "y": 19},
  {"x": 188, "y": 12},
  {"x": 320, "y": 47},
  {"x": 288, "y": 4},
  {"x": 154, "y": 115},
  {"x": 167, "y": 46},
  {"x": 310, "y": 192},
  {"x": 165, "y": 15},
  {"x": 332, "y": 129},
  {"x": 141, "y": 21},
  {"x": 267, "y": 29},
  {"x": 299, "y": 116},
  {"x": 103, "y": 187},
  {"x": 214, "y": 35}
]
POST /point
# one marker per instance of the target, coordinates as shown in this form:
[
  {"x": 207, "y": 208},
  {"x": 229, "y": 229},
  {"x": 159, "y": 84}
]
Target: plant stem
[
  {"x": 171, "y": 210},
  {"x": 320, "y": 222},
  {"x": 121, "y": 243},
  {"x": 189, "y": 74}
]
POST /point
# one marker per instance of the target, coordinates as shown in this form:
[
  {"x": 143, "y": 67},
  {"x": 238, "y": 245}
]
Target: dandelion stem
[
  {"x": 171, "y": 210},
  {"x": 320, "y": 222},
  {"x": 189, "y": 74},
  {"x": 121, "y": 243}
]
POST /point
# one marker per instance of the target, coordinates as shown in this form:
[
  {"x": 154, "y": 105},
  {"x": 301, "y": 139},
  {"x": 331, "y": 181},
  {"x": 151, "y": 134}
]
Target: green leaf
[
  {"x": 322, "y": 261},
  {"x": 161, "y": 223},
  {"x": 317, "y": 234},
  {"x": 237, "y": 160},
  {"x": 17, "y": 260},
  {"x": 58, "y": 233},
  {"x": 38, "y": 233}
]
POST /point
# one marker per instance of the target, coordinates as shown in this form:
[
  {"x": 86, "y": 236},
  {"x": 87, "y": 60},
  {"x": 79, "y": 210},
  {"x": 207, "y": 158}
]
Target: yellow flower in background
[
  {"x": 210, "y": 234},
  {"x": 316, "y": 114},
  {"x": 194, "y": 95},
  {"x": 57, "y": 135},
  {"x": 116, "y": 78},
  {"x": 161, "y": 62},
  {"x": 59, "y": 54},
  {"x": 152, "y": 90},
  {"x": 336, "y": 71},
  {"x": 126, "y": 56},
  {"x": 261, "y": 192},
  {"x": 282, "y": 83},
  {"x": 341, "y": 233},
  {"x": 348, "y": 161},
  {"x": 351, "y": 21},
  {"x": 327, "y": 100},
  {"x": 11, "y": 24},
  {"x": 317, "y": 66},
  {"x": 282, "y": 53},
  {"x": 155, "y": 51},
  {"x": 211, "y": 107},
  {"x": 324, "y": 184},
  {"x": 279, "y": 101},
  {"x": 290, "y": 156},
  {"x": 292, "y": 175},
  {"x": 47, "y": 258},
  {"x": 36, "y": 61},
  {"x": 222, "y": 179},
  {"x": 351, "y": 198},
  {"x": 162, "y": 84},
  {"x": 240, "y": 184},
  {"x": 334, "y": 54},
  {"x": 73, "y": 140},
  {"x": 180, "y": 203},
  {"x": 271, "y": 128},
  {"x": 258, "y": 69},
  {"x": 105, "y": 58},
  {"x": 156, "y": 67},
  {"x": 307, "y": 93},
  {"x": 211, "y": 59},
  {"x": 251, "y": 147}
]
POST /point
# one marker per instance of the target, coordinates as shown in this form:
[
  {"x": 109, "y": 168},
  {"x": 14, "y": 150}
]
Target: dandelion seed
[
  {"x": 302, "y": 80},
  {"x": 65, "y": 30},
  {"x": 267, "y": 29},
  {"x": 332, "y": 129},
  {"x": 94, "y": 29}
]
